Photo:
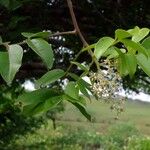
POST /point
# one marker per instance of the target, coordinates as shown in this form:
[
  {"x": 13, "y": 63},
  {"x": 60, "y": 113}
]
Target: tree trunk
[{"x": 54, "y": 123}]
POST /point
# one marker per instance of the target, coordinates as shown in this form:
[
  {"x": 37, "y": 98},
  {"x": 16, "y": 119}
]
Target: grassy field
[
  {"x": 74, "y": 132},
  {"x": 136, "y": 113}
]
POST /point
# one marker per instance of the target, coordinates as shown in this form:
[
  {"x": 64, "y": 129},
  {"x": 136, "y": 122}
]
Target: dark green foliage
[
  {"x": 65, "y": 138},
  {"x": 19, "y": 16},
  {"x": 121, "y": 132},
  {"x": 12, "y": 122},
  {"x": 138, "y": 143}
]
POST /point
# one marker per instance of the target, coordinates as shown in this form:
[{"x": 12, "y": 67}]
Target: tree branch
[
  {"x": 77, "y": 29},
  {"x": 75, "y": 24},
  {"x": 64, "y": 33}
]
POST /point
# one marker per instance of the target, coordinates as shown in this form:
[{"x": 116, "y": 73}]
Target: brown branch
[
  {"x": 21, "y": 43},
  {"x": 64, "y": 33},
  {"x": 75, "y": 24},
  {"x": 55, "y": 34},
  {"x": 77, "y": 29}
]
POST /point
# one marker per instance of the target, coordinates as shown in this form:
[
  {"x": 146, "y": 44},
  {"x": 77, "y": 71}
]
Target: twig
[
  {"x": 21, "y": 43},
  {"x": 75, "y": 31},
  {"x": 76, "y": 26},
  {"x": 55, "y": 34},
  {"x": 70, "y": 66},
  {"x": 64, "y": 33}
]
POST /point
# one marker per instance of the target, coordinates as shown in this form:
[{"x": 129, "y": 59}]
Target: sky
[{"x": 140, "y": 96}]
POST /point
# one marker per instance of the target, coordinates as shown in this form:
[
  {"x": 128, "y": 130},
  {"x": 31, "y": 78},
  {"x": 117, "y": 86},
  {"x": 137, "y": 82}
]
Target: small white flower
[{"x": 106, "y": 84}]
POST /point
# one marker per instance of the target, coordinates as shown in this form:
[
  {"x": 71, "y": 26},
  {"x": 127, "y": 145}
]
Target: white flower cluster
[{"x": 106, "y": 84}]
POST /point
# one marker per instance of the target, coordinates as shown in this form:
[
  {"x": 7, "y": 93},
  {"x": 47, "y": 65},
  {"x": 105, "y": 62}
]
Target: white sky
[
  {"x": 141, "y": 96},
  {"x": 28, "y": 85}
]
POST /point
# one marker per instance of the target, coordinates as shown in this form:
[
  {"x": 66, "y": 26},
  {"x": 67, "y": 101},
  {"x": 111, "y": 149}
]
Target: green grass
[
  {"x": 136, "y": 112},
  {"x": 74, "y": 132}
]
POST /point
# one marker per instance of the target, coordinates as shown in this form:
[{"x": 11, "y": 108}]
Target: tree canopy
[
  {"x": 33, "y": 16},
  {"x": 49, "y": 41}
]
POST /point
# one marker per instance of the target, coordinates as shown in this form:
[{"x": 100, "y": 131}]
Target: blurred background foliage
[{"x": 96, "y": 18}]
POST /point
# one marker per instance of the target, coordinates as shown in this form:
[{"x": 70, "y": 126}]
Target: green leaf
[
  {"x": 36, "y": 96},
  {"x": 122, "y": 66},
  {"x": 127, "y": 64},
  {"x": 88, "y": 47},
  {"x": 122, "y": 34},
  {"x": 42, "y": 107},
  {"x": 4, "y": 61},
  {"x": 5, "y": 3},
  {"x": 144, "y": 63},
  {"x": 102, "y": 45},
  {"x": 52, "y": 102},
  {"x": 49, "y": 77},
  {"x": 83, "y": 88},
  {"x": 140, "y": 35},
  {"x": 39, "y": 101},
  {"x": 79, "y": 103},
  {"x": 15, "y": 60},
  {"x": 146, "y": 43},
  {"x": 34, "y": 109},
  {"x": 15, "y": 4},
  {"x": 131, "y": 63},
  {"x": 82, "y": 110},
  {"x": 12, "y": 62},
  {"x": 134, "y": 31},
  {"x": 72, "y": 90},
  {"x": 27, "y": 34},
  {"x": 77, "y": 78},
  {"x": 43, "y": 49},
  {"x": 44, "y": 35},
  {"x": 11, "y": 4},
  {"x": 74, "y": 76},
  {"x": 80, "y": 100},
  {"x": 111, "y": 53},
  {"x": 135, "y": 46},
  {"x": 36, "y": 35},
  {"x": 80, "y": 66}
]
